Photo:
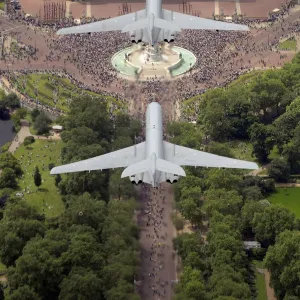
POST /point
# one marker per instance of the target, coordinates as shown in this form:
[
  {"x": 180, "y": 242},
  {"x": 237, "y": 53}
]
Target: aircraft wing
[
  {"x": 117, "y": 159},
  {"x": 191, "y": 22},
  {"x": 112, "y": 24},
  {"x": 184, "y": 156}
]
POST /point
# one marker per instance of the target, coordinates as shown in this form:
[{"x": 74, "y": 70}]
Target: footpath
[{"x": 23, "y": 133}]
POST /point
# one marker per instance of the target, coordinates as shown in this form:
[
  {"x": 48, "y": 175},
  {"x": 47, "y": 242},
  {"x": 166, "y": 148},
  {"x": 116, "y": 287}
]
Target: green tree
[
  {"x": 57, "y": 179},
  {"x": 252, "y": 193},
  {"x": 291, "y": 151},
  {"x": 270, "y": 222},
  {"x": 37, "y": 177},
  {"x": 191, "y": 285},
  {"x": 12, "y": 101},
  {"x": 8, "y": 179},
  {"x": 213, "y": 115},
  {"x": 121, "y": 142},
  {"x": 28, "y": 140},
  {"x": 267, "y": 91},
  {"x": 178, "y": 222},
  {"x": 222, "y": 179},
  {"x": 261, "y": 139},
  {"x": 219, "y": 149},
  {"x": 248, "y": 212},
  {"x": 225, "y": 281},
  {"x": 7, "y": 160},
  {"x": 283, "y": 263},
  {"x": 191, "y": 211},
  {"x": 222, "y": 201},
  {"x": 279, "y": 169},
  {"x": 34, "y": 113},
  {"x": 41, "y": 123},
  {"x": 83, "y": 210},
  {"x": 120, "y": 187},
  {"x": 23, "y": 293}
]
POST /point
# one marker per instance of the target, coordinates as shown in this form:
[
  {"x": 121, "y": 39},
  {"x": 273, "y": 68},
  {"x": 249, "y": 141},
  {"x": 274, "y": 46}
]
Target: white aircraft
[
  {"x": 154, "y": 161},
  {"x": 153, "y": 24}
]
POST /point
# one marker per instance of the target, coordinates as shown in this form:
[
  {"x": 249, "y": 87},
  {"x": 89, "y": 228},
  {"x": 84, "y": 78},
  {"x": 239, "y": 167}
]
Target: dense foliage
[
  {"x": 216, "y": 265},
  {"x": 264, "y": 109},
  {"x": 90, "y": 250}
]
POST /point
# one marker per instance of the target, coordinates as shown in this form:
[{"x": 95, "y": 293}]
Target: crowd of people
[
  {"x": 220, "y": 59},
  {"x": 154, "y": 221}
]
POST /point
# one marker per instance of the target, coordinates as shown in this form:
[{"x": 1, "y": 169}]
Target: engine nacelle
[
  {"x": 169, "y": 36},
  {"x": 136, "y": 179},
  {"x": 136, "y": 36},
  {"x": 172, "y": 178},
  {"x": 132, "y": 36}
]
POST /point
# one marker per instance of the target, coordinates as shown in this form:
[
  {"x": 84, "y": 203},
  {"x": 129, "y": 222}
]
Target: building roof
[
  {"x": 251, "y": 244},
  {"x": 57, "y": 127}
]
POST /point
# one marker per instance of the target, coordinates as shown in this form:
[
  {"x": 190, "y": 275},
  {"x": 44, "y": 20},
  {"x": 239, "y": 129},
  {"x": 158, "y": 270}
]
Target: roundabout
[{"x": 141, "y": 62}]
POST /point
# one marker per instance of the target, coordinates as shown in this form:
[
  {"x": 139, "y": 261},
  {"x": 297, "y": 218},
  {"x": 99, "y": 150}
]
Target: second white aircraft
[
  {"x": 153, "y": 24},
  {"x": 154, "y": 161}
]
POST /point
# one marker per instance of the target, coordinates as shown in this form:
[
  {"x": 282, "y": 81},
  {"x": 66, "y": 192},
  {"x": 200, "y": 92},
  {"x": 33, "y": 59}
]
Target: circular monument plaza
[{"x": 141, "y": 62}]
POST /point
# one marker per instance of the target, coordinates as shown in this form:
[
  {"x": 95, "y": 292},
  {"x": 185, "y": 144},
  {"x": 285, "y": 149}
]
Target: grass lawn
[
  {"x": 47, "y": 84},
  {"x": 2, "y": 5},
  {"x": 29, "y": 119},
  {"x": 260, "y": 282},
  {"x": 47, "y": 199},
  {"x": 241, "y": 149},
  {"x": 290, "y": 44},
  {"x": 264, "y": 172},
  {"x": 287, "y": 197},
  {"x": 245, "y": 77}
]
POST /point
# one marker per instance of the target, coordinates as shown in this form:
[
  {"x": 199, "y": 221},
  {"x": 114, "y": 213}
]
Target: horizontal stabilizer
[
  {"x": 137, "y": 168},
  {"x": 168, "y": 167}
]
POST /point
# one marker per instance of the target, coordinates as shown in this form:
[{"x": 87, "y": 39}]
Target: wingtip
[
  {"x": 53, "y": 171},
  {"x": 60, "y": 32},
  {"x": 253, "y": 166}
]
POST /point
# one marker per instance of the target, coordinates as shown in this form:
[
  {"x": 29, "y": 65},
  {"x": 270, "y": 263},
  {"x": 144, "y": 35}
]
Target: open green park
[
  {"x": 40, "y": 153},
  {"x": 287, "y": 197},
  {"x": 289, "y": 44},
  {"x": 48, "y": 89}
]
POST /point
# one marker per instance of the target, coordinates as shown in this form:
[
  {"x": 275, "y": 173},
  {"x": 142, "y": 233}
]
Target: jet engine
[
  {"x": 169, "y": 36},
  {"x": 136, "y": 36},
  {"x": 136, "y": 179},
  {"x": 172, "y": 178},
  {"x": 132, "y": 36}
]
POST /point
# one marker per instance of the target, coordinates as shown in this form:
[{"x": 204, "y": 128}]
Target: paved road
[{"x": 158, "y": 268}]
